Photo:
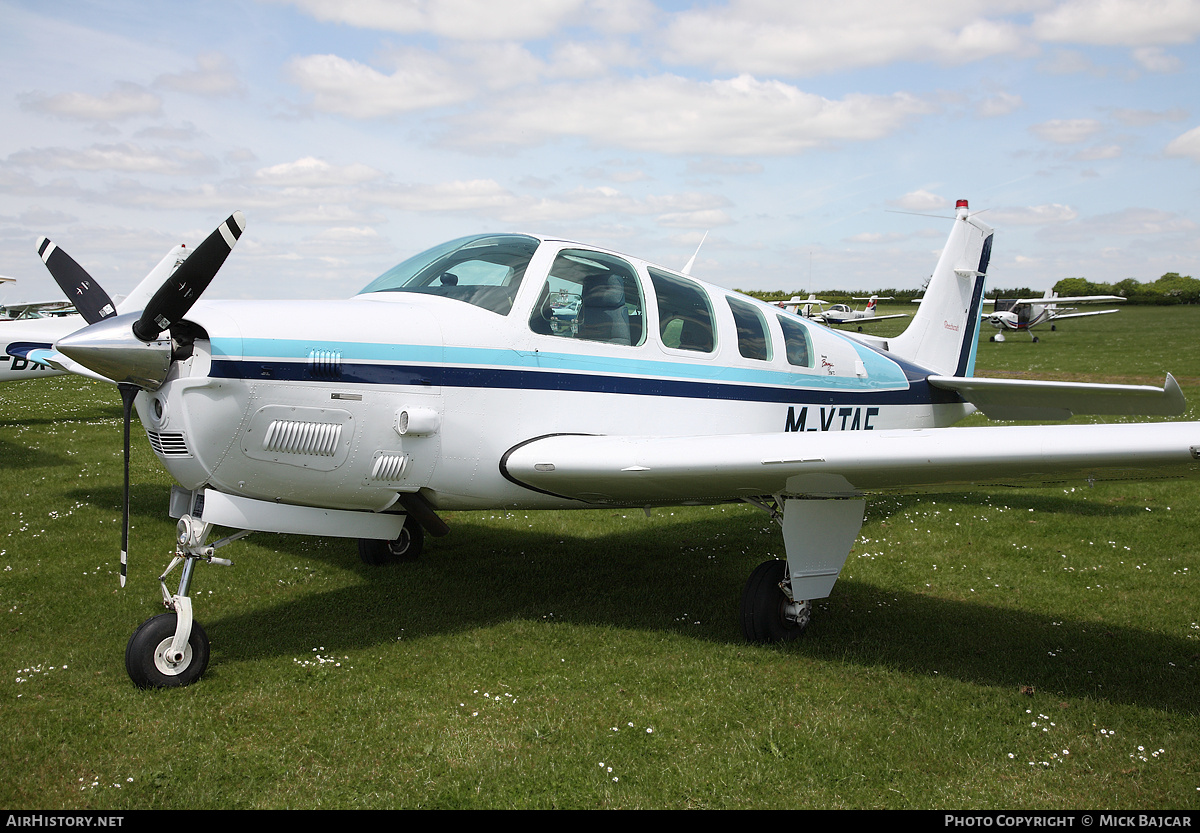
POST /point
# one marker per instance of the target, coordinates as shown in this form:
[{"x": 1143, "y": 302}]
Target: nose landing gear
[{"x": 171, "y": 649}]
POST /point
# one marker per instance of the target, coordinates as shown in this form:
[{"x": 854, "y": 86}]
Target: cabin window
[
  {"x": 484, "y": 270},
  {"x": 590, "y": 296},
  {"x": 796, "y": 342},
  {"x": 685, "y": 318},
  {"x": 753, "y": 342}
]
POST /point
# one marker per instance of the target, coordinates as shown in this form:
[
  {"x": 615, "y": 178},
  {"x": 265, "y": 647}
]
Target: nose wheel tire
[
  {"x": 147, "y": 657},
  {"x": 768, "y": 613}
]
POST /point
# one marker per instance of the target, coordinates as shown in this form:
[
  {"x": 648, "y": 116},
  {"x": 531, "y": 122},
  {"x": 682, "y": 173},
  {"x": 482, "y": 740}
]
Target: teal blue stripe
[{"x": 883, "y": 374}]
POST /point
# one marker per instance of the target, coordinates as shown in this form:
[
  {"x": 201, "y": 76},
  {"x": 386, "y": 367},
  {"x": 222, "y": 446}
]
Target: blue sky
[{"x": 807, "y": 140}]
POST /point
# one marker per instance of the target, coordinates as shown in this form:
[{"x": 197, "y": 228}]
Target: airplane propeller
[
  {"x": 89, "y": 297},
  {"x": 127, "y": 348},
  {"x": 176, "y": 296}
]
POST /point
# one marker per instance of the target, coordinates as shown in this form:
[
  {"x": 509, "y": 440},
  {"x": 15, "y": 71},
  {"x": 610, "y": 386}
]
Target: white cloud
[
  {"x": 1120, "y": 22},
  {"x": 1141, "y": 118},
  {"x": 806, "y": 37},
  {"x": 920, "y": 200},
  {"x": 215, "y": 75},
  {"x": 1000, "y": 104},
  {"x": 349, "y": 88},
  {"x": 1187, "y": 145},
  {"x": 125, "y": 101},
  {"x": 125, "y": 157},
  {"x": 1099, "y": 152},
  {"x": 1067, "y": 131},
  {"x": 1034, "y": 215},
  {"x": 707, "y": 219},
  {"x": 668, "y": 114},
  {"x": 310, "y": 172},
  {"x": 454, "y": 19},
  {"x": 1155, "y": 59}
]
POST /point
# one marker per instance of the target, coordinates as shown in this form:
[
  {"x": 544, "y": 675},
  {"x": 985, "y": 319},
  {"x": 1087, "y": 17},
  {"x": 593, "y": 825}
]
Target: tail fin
[
  {"x": 944, "y": 333},
  {"x": 141, "y": 294}
]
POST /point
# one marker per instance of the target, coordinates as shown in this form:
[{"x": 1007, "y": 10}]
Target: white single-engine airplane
[
  {"x": 453, "y": 381},
  {"x": 1027, "y": 313},
  {"x": 839, "y": 314},
  {"x": 814, "y": 309}
]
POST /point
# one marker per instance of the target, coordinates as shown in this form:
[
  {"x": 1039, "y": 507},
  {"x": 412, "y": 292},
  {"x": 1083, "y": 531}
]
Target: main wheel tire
[
  {"x": 406, "y": 547},
  {"x": 145, "y": 655},
  {"x": 765, "y": 607}
]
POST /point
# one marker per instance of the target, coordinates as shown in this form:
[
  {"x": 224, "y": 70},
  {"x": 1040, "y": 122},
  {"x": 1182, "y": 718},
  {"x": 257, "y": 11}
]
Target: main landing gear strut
[{"x": 817, "y": 536}]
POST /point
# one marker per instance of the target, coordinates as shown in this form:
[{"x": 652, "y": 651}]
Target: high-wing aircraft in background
[
  {"x": 1027, "y": 313},
  {"x": 28, "y": 334},
  {"x": 455, "y": 381}
]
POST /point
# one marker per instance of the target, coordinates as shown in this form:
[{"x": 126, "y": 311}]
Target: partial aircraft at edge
[
  {"x": 1027, "y": 313},
  {"x": 22, "y": 336},
  {"x": 453, "y": 381}
]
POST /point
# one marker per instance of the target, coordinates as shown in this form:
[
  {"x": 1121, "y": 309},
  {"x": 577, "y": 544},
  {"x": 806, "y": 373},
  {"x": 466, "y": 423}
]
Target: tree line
[{"x": 1171, "y": 288}]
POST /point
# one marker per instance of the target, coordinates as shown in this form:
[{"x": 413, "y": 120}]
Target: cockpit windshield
[{"x": 484, "y": 270}]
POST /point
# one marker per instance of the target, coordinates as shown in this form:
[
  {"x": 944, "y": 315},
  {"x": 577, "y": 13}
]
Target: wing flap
[
  {"x": 646, "y": 470},
  {"x": 1038, "y": 400}
]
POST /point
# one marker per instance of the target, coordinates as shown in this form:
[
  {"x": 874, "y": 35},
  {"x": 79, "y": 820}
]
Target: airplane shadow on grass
[{"x": 481, "y": 577}]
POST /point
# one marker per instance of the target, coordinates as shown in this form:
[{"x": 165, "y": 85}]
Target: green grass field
[{"x": 1033, "y": 649}]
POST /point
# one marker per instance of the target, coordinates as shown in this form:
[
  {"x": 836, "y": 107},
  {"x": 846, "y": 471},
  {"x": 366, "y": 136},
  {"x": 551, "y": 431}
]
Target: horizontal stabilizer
[{"x": 1038, "y": 400}]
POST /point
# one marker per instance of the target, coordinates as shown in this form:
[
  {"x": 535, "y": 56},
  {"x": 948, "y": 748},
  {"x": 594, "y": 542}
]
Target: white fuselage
[{"x": 310, "y": 409}]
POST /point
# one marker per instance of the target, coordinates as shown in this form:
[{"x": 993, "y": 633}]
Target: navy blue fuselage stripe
[{"x": 454, "y": 376}]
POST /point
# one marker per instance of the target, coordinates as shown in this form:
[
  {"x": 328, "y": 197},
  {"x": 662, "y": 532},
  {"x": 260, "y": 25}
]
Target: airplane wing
[
  {"x": 871, "y": 318},
  {"x": 1055, "y": 316},
  {"x": 28, "y": 308},
  {"x": 647, "y": 470},
  {"x": 1025, "y": 399},
  {"x": 1076, "y": 299}
]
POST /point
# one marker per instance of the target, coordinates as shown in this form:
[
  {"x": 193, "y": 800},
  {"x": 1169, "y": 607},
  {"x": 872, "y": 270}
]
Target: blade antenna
[{"x": 687, "y": 270}]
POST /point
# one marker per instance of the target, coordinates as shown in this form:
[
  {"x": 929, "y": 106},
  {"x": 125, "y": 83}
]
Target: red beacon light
[{"x": 961, "y": 204}]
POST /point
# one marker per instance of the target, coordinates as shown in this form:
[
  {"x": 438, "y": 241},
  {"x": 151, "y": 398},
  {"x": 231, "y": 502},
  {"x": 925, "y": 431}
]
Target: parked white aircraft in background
[
  {"x": 454, "y": 381},
  {"x": 1027, "y": 313},
  {"x": 836, "y": 315},
  {"x": 840, "y": 314}
]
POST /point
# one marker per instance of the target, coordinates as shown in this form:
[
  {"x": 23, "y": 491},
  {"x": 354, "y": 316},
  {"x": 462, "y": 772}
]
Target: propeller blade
[
  {"x": 128, "y": 393},
  {"x": 88, "y": 296},
  {"x": 175, "y": 297}
]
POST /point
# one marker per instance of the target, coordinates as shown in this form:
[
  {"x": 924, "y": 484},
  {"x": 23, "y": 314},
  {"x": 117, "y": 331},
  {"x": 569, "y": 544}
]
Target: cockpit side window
[
  {"x": 796, "y": 342},
  {"x": 753, "y": 341},
  {"x": 485, "y": 271},
  {"x": 591, "y": 296},
  {"x": 685, "y": 318}
]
